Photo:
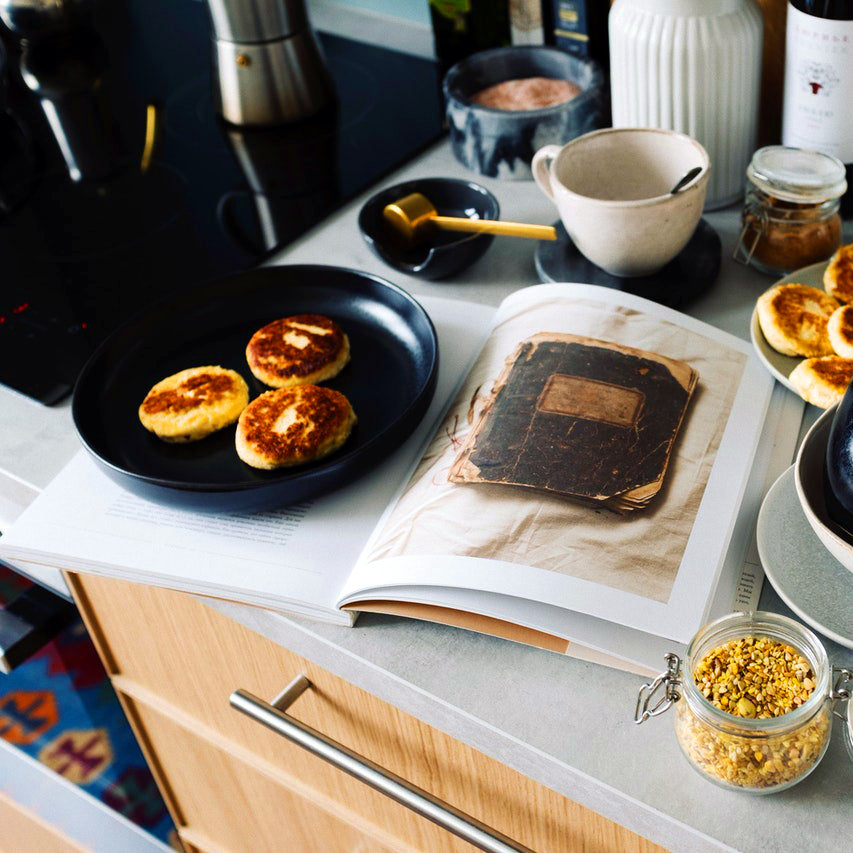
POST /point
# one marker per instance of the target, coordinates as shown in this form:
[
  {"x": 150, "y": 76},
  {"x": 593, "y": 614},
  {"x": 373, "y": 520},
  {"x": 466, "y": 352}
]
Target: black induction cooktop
[{"x": 120, "y": 184}]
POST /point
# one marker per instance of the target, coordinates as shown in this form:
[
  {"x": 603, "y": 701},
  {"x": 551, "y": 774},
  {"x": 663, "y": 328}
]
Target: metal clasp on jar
[
  {"x": 754, "y": 218},
  {"x": 840, "y": 690},
  {"x": 647, "y": 703}
]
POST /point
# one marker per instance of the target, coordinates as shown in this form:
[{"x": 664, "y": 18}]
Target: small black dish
[
  {"x": 688, "y": 275},
  {"x": 443, "y": 253},
  {"x": 389, "y": 381}
]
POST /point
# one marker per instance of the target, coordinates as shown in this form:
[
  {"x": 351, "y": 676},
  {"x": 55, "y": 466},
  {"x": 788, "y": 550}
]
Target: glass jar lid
[{"x": 797, "y": 174}]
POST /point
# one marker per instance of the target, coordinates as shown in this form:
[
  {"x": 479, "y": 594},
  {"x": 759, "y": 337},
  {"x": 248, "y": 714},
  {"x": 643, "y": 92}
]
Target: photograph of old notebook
[{"x": 581, "y": 418}]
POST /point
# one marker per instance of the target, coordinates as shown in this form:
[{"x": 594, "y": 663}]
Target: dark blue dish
[
  {"x": 441, "y": 253},
  {"x": 838, "y": 467},
  {"x": 501, "y": 143}
]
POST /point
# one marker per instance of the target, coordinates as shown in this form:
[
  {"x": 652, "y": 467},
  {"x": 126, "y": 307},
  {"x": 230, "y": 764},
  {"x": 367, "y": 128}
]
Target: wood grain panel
[
  {"x": 194, "y": 691},
  {"x": 22, "y": 830},
  {"x": 165, "y": 644},
  {"x": 228, "y": 805}
]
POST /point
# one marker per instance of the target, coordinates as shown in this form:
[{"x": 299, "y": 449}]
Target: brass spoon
[{"x": 413, "y": 215}]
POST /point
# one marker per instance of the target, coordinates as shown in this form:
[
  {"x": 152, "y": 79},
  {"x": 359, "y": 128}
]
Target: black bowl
[
  {"x": 501, "y": 143},
  {"x": 442, "y": 253}
]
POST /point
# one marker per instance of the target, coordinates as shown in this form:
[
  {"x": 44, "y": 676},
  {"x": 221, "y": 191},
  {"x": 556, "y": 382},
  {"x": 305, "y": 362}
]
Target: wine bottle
[
  {"x": 463, "y": 27},
  {"x": 818, "y": 88},
  {"x": 578, "y": 27}
]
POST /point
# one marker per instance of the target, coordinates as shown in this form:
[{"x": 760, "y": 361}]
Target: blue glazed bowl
[
  {"x": 441, "y": 253},
  {"x": 501, "y": 143}
]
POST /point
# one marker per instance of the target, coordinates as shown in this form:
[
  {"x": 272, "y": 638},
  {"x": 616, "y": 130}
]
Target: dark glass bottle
[
  {"x": 838, "y": 482},
  {"x": 463, "y": 27},
  {"x": 816, "y": 109},
  {"x": 578, "y": 27}
]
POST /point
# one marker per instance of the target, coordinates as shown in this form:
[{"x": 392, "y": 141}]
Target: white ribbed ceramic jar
[{"x": 693, "y": 66}]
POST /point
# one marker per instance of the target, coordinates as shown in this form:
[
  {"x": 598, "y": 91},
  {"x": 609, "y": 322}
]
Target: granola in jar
[{"x": 753, "y": 701}]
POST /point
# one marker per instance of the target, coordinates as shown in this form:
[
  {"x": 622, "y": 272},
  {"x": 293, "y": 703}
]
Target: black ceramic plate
[
  {"x": 390, "y": 381},
  {"x": 688, "y": 275}
]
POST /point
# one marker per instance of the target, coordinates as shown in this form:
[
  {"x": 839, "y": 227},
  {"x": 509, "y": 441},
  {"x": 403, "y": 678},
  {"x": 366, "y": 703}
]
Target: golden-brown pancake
[
  {"x": 840, "y": 331},
  {"x": 292, "y": 426},
  {"x": 300, "y": 350},
  {"x": 793, "y": 319},
  {"x": 822, "y": 381},
  {"x": 838, "y": 276},
  {"x": 193, "y": 403}
]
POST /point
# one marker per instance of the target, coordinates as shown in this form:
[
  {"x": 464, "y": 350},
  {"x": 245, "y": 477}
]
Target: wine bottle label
[
  {"x": 571, "y": 28},
  {"x": 816, "y": 106}
]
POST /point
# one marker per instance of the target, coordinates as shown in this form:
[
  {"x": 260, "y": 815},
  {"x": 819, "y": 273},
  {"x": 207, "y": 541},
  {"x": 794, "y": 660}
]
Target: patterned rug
[{"x": 59, "y": 707}]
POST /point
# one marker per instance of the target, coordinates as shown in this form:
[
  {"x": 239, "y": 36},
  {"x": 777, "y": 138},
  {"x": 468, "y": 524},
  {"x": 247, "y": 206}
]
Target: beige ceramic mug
[{"x": 612, "y": 189}]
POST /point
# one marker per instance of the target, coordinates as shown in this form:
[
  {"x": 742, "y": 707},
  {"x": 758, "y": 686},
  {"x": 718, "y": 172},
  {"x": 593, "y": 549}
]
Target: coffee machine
[{"x": 268, "y": 63}]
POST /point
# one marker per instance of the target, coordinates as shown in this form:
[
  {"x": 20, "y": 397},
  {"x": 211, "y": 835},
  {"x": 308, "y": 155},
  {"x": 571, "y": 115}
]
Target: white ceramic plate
[
  {"x": 782, "y": 365},
  {"x": 806, "y": 576}
]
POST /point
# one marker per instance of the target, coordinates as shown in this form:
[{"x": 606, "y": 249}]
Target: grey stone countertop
[{"x": 563, "y": 722}]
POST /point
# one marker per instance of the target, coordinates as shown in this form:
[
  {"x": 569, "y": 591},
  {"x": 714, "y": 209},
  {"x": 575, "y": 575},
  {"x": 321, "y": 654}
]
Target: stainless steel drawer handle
[{"x": 273, "y": 716}]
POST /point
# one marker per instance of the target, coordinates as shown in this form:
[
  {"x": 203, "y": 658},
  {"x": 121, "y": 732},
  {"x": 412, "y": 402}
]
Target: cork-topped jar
[
  {"x": 753, "y": 701},
  {"x": 790, "y": 214}
]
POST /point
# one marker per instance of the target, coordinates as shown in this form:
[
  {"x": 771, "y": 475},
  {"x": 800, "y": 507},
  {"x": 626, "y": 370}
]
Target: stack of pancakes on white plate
[{"x": 798, "y": 320}]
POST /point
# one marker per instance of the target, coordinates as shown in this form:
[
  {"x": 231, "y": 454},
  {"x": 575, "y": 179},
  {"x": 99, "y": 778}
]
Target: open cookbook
[{"x": 587, "y": 480}]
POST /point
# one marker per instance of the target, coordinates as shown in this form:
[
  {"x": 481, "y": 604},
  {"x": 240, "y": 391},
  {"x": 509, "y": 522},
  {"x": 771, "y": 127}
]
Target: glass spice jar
[
  {"x": 760, "y": 755},
  {"x": 790, "y": 215}
]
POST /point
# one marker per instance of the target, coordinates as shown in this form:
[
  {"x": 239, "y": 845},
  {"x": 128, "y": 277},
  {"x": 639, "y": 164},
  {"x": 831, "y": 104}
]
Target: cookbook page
[
  {"x": 294, "y": 558},
  {"x": 580, "y": 635},
  {"x": 653, "y": 569}
]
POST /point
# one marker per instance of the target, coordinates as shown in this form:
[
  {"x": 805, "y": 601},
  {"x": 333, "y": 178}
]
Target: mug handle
[{"x": 541, "y": 168}]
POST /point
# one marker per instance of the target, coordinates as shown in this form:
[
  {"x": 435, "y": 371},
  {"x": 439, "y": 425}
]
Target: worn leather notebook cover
[{"x": 581, "y": 418}]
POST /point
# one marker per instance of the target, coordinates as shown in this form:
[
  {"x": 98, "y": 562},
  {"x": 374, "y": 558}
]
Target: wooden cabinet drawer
[
  {"x": 23, "y": 830},
  {"x": 166, "y": 647},
  {"x": 191, "y": 683},
  {"x": 225, "y": 804}
]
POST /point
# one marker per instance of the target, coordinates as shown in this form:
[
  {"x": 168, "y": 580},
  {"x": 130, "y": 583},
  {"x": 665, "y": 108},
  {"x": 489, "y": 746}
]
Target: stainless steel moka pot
[{"x": 269, "y": 64}]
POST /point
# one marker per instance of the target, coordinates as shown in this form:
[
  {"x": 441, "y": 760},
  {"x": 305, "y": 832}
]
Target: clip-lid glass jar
[
  {"x": 743, "y": 750},
  {"x": 790, "y": 214}
]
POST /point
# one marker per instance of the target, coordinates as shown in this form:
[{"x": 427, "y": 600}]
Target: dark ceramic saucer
[
  {"x": 441, "y": 253},
  {"x": 685, "y": 277}
]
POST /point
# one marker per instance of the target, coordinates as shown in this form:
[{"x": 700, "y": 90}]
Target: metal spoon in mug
[
  {"x": 686, "y": 180},
  {"x": 414, "y": 215}
]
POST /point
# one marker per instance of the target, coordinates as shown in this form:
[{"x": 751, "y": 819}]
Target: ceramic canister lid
[{"x": 796, "y": 174}]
